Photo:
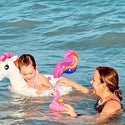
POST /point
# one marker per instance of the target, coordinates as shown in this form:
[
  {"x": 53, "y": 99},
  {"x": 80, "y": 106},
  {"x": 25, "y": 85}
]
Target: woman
[{"x": 105, "y": 84}]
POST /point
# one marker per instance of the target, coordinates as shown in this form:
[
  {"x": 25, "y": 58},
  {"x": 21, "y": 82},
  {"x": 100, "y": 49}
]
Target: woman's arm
[
  {"x": 78, "y": 87},
  {"x": 112, "y": 109}
]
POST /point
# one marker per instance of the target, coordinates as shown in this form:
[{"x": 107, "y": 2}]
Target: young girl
[{"x": 33, "y": 78}]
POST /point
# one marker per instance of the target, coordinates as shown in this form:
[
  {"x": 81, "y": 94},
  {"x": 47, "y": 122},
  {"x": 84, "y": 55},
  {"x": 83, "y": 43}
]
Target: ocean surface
[{"x": 47, "y": 29}]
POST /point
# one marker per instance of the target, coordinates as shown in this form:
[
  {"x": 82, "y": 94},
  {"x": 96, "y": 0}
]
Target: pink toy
[
  {"x": 63, "y": 67},
  {"x": 67, "y": 66},
  {"x": 57, "y": 103}
]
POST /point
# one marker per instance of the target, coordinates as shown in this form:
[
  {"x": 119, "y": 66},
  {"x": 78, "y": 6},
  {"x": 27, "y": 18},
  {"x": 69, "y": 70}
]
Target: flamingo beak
[{"x": 53, "y": 93}]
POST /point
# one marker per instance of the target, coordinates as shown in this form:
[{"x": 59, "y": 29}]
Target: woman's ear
[
  {"x": 104, "y": 85},
  {"x": 36, "y": 67}
]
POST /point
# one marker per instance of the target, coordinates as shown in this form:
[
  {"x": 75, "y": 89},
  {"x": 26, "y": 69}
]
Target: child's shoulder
[{"x": 41, "y": 76}]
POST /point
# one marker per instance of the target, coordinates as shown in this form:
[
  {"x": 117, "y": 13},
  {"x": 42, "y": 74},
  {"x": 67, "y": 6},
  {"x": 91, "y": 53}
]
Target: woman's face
[
  {"x": 96, "y": 83},
  {"x": 28, "y": 73}
]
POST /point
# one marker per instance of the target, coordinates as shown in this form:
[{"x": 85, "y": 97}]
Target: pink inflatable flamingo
[
  {"x": 57, "y": 103},
  {"x": 63, "y": 67}
]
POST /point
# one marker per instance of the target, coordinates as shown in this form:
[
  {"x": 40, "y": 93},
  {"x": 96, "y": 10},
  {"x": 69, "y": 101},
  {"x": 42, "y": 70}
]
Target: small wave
[
  {"x": 110, "y": 40},
  {"x": 24, "y": 23}
]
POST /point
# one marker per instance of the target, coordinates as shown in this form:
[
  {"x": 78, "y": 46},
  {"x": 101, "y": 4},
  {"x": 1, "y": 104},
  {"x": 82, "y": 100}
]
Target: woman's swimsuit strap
[{"x": 100, "y": 107}]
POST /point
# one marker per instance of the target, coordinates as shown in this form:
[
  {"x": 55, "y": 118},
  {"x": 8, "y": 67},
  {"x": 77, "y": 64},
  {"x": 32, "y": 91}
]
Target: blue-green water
[{"x": 47, "y": 29}]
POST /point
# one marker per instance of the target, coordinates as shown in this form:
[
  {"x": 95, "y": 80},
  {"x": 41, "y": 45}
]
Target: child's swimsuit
[
  {"x": 35, "y": 80},
  {"x": 100, "y": 107}
]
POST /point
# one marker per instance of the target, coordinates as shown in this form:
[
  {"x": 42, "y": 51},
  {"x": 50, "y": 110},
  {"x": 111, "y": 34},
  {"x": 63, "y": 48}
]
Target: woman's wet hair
[{"x": 110, "y": 76}]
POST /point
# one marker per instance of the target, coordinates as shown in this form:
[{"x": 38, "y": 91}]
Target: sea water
[{"x": 47, "y": 29}]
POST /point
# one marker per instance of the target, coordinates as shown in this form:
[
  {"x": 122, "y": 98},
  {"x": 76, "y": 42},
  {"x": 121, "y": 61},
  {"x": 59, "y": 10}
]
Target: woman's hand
[
  {"x": 68, "y": 109},
  {"x": 64, "y": 82}
]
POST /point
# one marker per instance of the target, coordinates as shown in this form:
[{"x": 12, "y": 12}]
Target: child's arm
[{"x": 43, "y": 82}]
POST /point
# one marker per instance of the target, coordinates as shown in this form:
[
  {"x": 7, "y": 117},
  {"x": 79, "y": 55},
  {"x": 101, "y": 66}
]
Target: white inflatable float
[{"x": 18, "y": 85}]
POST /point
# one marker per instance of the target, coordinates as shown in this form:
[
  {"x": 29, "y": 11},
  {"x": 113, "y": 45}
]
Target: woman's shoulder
[{"x": 112, "y": 105}]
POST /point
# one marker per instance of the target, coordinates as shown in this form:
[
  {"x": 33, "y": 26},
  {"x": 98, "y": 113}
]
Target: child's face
[{"x": 28, "y": 72}]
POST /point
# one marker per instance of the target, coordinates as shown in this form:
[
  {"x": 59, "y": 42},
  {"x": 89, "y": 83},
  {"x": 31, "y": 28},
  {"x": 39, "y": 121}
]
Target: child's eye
[
  {"x": 24, "y": 74},
  {"x": 31, "y": 73}
]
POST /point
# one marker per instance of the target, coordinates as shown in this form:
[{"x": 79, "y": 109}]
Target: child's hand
[
  {"x": 40, "y": 90},
  {"x": 45, "y": 87},
  {"x": 10, "y": 87}
]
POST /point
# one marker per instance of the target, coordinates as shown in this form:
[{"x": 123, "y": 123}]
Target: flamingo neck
[{"x": 57, "y": 96}]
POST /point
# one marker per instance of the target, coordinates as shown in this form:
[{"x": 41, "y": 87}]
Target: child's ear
[{"x": 36, "y": 67}]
